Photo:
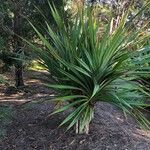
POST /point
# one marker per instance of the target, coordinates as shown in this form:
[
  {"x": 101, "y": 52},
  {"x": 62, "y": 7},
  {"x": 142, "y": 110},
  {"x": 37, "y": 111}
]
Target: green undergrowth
[
  {"x": 6, "y": 114},
  {"x": 36, "y": 66}
]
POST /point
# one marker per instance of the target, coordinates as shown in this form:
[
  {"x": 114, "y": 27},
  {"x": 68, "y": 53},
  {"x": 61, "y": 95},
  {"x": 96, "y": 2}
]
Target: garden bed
[{"x": 32, "y": 129}]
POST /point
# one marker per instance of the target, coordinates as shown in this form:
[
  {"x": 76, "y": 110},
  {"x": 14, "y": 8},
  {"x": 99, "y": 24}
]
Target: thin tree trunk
[
  {"x": 19, "y": 75},
  {"x": 17, "y": 47}
]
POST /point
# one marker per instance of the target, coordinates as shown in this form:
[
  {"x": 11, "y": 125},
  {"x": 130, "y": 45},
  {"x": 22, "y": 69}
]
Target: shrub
[{"x": 88, "y": 68}]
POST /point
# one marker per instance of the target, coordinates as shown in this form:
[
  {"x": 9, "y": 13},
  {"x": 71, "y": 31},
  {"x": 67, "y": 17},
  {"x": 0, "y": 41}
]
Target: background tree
[{"x": 13, "y": 24}]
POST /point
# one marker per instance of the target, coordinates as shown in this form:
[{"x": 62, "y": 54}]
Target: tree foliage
[{"x": 13, "y": 25}]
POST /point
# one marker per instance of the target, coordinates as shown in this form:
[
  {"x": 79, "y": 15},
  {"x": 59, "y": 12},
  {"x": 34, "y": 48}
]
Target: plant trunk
[
  {"x": 77, "y": 127},
  {"x": 84, "y": 130}
]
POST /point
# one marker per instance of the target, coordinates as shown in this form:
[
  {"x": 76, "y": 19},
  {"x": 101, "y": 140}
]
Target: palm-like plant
[{"x": 88, "y": 68}]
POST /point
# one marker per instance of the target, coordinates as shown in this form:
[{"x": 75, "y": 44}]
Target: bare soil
[{"x": 32, "y": 129}]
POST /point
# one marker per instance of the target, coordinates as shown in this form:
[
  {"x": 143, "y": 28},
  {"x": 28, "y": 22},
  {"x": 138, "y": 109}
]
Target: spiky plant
[{"x": 88, "y": 68}]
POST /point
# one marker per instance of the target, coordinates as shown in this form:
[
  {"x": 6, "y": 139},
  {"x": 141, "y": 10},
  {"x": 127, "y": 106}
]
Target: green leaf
[
  {"x": 57, "y": 86},
  {"x": 72, "y": 115},
  {"x": 70, "y": 97},
  {"x": 66, "y": 107}
]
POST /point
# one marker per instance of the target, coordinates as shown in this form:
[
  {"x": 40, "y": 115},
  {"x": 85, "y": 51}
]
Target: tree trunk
[
  {"x": 17, "y": 47},
  {"x": 19, "y": 75}
]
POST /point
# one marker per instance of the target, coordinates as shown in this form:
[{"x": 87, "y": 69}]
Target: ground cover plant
[
  {"x": 87, "y": 67},
  {"x": 2, "y": 80},
  {"x": 6, "y": 114}
]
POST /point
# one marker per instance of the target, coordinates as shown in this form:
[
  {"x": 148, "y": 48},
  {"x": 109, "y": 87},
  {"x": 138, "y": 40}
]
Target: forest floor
[{"x": 30, "y": 127}]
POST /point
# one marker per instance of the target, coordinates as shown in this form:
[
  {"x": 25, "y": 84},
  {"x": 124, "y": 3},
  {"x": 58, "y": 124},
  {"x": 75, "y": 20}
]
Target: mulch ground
[{"x": 32, "y": 129}]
